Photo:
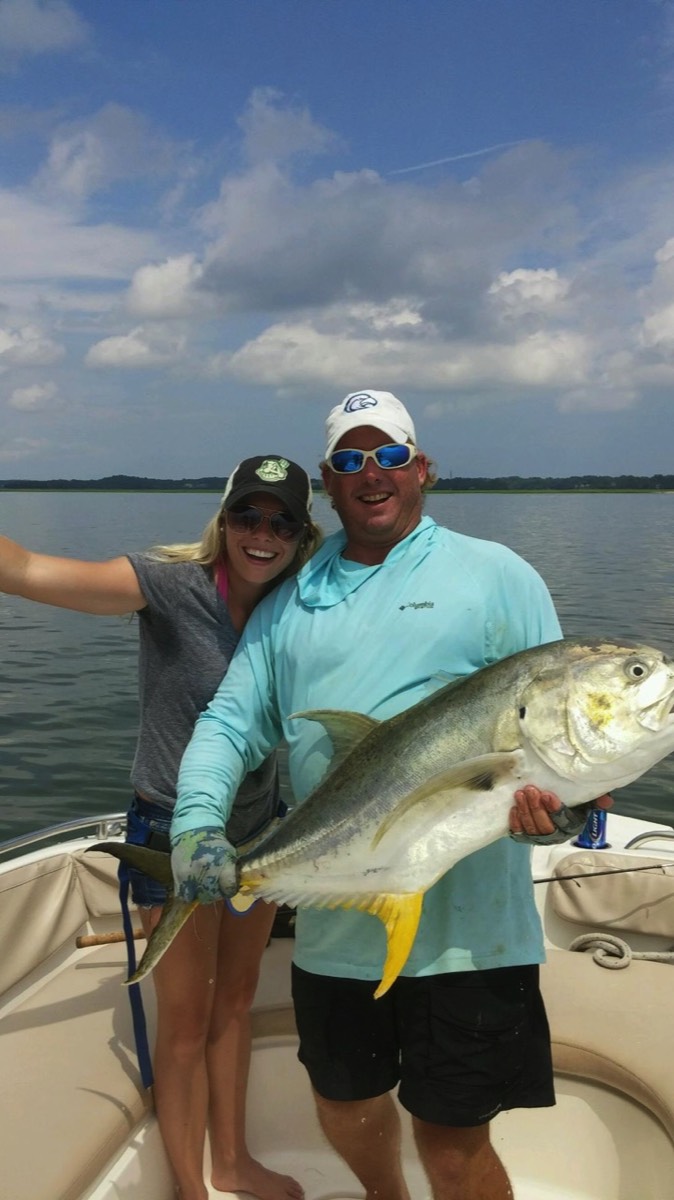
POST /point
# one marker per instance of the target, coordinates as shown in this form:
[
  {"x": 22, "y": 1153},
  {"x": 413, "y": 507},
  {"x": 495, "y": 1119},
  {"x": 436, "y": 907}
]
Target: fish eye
[{"x": 636, "y": 669}]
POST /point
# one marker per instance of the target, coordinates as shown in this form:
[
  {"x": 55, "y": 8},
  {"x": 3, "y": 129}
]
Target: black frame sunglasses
[{"x": 246, "y": 518}]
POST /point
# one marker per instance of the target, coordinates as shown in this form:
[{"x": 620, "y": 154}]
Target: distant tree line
[
  {"x": 216, "y": 483},
  {"x": 117, "y": 483},
  {"x": 533, "y": 483}
]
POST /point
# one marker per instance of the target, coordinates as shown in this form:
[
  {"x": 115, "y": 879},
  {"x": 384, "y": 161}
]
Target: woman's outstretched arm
[{"x": 107, "y": 588}]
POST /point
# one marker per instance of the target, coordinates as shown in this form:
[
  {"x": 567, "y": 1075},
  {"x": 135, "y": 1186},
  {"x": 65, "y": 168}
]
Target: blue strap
[{"x": 135, "y": 998}]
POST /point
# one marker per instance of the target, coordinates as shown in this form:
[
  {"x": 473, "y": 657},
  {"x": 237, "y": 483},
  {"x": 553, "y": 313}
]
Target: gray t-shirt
[{"x": 186, "y": 642}]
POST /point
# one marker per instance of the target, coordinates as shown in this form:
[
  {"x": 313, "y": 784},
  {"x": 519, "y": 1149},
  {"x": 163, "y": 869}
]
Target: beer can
[{"x": 593, "y": 833}]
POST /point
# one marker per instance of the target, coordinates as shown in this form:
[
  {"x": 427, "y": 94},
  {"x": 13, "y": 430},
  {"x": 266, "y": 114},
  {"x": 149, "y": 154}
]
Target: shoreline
[{"x": 482, "y": 491}]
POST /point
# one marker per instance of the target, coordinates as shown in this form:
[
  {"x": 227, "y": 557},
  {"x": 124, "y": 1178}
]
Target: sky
[{"x": 218, "y": 217}]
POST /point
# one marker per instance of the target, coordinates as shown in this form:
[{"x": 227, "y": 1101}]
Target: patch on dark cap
[{"x": 276, "y": 476}]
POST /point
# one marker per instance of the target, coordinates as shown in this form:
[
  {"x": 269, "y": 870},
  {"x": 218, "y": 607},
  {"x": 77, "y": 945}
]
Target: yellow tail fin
[{"x": 400, "y": 917}]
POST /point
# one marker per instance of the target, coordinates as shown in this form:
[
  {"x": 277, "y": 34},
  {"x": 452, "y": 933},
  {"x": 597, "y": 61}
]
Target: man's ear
[
  {"x": 422, "y": 468},
  {"x": 326, "y": 475}
]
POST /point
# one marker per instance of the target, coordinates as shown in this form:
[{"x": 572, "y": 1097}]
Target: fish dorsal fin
[
  {"x": 481, "y": 774},
  {"x": 400, "y": 915},
  {"x": 345, "y": 729},
  {"x": 155, "y": 863}
]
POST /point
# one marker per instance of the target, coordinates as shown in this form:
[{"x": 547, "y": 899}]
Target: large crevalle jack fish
[{"x": 405, "y": 799}]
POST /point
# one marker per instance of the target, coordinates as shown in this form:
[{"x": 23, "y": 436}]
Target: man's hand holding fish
[
  {"x": 204, "y": 866},
  {"x": 540, "y": 818}
]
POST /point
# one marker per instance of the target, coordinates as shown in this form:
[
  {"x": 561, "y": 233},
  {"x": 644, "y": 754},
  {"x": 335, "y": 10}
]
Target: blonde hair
[
  {"x": 211, "y": 547},
  {"x": 431, "y": 474}
]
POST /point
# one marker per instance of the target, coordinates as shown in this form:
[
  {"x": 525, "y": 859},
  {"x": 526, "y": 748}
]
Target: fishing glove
[
  {"x": 568, "y": 823},
  {"x": 204, "y": 866}
]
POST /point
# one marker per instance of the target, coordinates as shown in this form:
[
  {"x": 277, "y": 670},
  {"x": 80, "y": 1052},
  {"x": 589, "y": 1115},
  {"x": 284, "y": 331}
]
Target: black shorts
[{"x": 463, "y": 1046}]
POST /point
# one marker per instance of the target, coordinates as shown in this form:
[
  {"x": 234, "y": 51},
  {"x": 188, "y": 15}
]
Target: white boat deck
[{"x": 77, "y": 1124}]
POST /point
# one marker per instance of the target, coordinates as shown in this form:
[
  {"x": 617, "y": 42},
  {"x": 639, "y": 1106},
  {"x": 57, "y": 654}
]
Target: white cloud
[
  {"x": 39, "y": 241},
  {"x": 598, "y": 399},
  {"x": 525, "y": 291},
  {"x": 276, "y": 245},
  {"x": 398, "y": 315},
  {"x": 14, "y": 449},
  {"x": 140, "y": 349},
  {"x": 88, "y": 155},
  {"x": 658, "y": 329},
  {"x": 300, "y": 355},
  {"x": 34, "y": 399},
  {"x": 168, "y": 289},
  {"x": 500, "y": 287},
  {"x": 275, "y": 130},
  {"x": 27, "y": 347},
  {"x": 657, "y": 298},
  {"x": 31, "y": 27}
]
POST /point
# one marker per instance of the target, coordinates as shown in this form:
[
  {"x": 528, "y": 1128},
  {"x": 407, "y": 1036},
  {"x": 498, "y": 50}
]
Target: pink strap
[{"x": 221, "y": 580}]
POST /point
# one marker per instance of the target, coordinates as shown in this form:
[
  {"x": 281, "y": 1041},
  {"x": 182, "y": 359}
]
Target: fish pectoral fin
[
  {"x": 400, "y": 915},
  {"x": 155, "y": 863},
  {"x": 176, "y": 913},
  {"x": 345, "y": 729},
  {"x": 481, "y": 774}
]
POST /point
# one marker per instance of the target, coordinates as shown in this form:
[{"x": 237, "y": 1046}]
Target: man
[{"x": 386, "y": 605}]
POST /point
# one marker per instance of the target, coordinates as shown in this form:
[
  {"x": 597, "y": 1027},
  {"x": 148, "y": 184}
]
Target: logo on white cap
[{"x": 360, "y": 400}]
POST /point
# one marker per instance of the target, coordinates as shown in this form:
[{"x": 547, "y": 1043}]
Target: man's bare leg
[
  {"x": 366, "y": 1134},
  {"x": 461, "y": 1164}
]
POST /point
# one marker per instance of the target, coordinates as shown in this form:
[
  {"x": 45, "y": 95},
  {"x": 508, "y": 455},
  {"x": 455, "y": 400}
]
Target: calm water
[{"x": 68, "y": 681}]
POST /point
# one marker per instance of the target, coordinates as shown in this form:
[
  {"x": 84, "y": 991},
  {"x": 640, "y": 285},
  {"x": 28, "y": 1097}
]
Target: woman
[{"x": 192, "y": 602}]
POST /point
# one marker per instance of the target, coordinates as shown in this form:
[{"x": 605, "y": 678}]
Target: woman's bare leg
[
  {"x": 242, "y": 943},
  {"x": 184, "y": 981}
]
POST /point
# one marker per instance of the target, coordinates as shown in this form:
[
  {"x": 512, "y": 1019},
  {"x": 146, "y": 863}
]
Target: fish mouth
[{"x": 659, "y": 714}]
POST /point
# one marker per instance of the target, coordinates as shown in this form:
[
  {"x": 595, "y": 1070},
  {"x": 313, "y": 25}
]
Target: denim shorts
[{"x": 144, "y": 819}]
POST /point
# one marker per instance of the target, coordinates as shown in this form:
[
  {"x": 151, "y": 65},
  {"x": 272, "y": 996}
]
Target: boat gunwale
[{"x": 100, "y": 827}]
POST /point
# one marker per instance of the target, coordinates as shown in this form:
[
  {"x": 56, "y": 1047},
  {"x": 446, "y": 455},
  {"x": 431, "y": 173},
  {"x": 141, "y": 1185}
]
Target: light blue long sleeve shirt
[{"x": 376, "y": 640}]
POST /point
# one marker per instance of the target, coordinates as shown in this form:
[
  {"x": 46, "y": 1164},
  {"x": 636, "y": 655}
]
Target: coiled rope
[{"x": 611, "y": 951}]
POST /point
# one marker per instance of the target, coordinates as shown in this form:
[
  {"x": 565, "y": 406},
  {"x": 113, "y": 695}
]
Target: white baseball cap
[{"x": 383, "y": 410}]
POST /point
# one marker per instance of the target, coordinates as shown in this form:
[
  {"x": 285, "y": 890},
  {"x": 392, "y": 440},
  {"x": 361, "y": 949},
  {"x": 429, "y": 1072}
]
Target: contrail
[{"x": 438, "y": 162}]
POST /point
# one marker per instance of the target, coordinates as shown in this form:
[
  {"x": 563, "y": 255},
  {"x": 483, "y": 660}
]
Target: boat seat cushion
[
  {"x": 636, "y": 901},
  {"x": 69, "y": 1082},
  {"x": 97, "y": 878},
  {"x": 43, "y": 907},
  {"x": 47, "y": 904},
  {"x": 602, "y": 1025}
]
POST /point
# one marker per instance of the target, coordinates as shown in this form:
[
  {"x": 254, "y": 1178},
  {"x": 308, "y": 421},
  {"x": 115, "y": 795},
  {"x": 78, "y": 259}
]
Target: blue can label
[{"x": 593, "y": 834}]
